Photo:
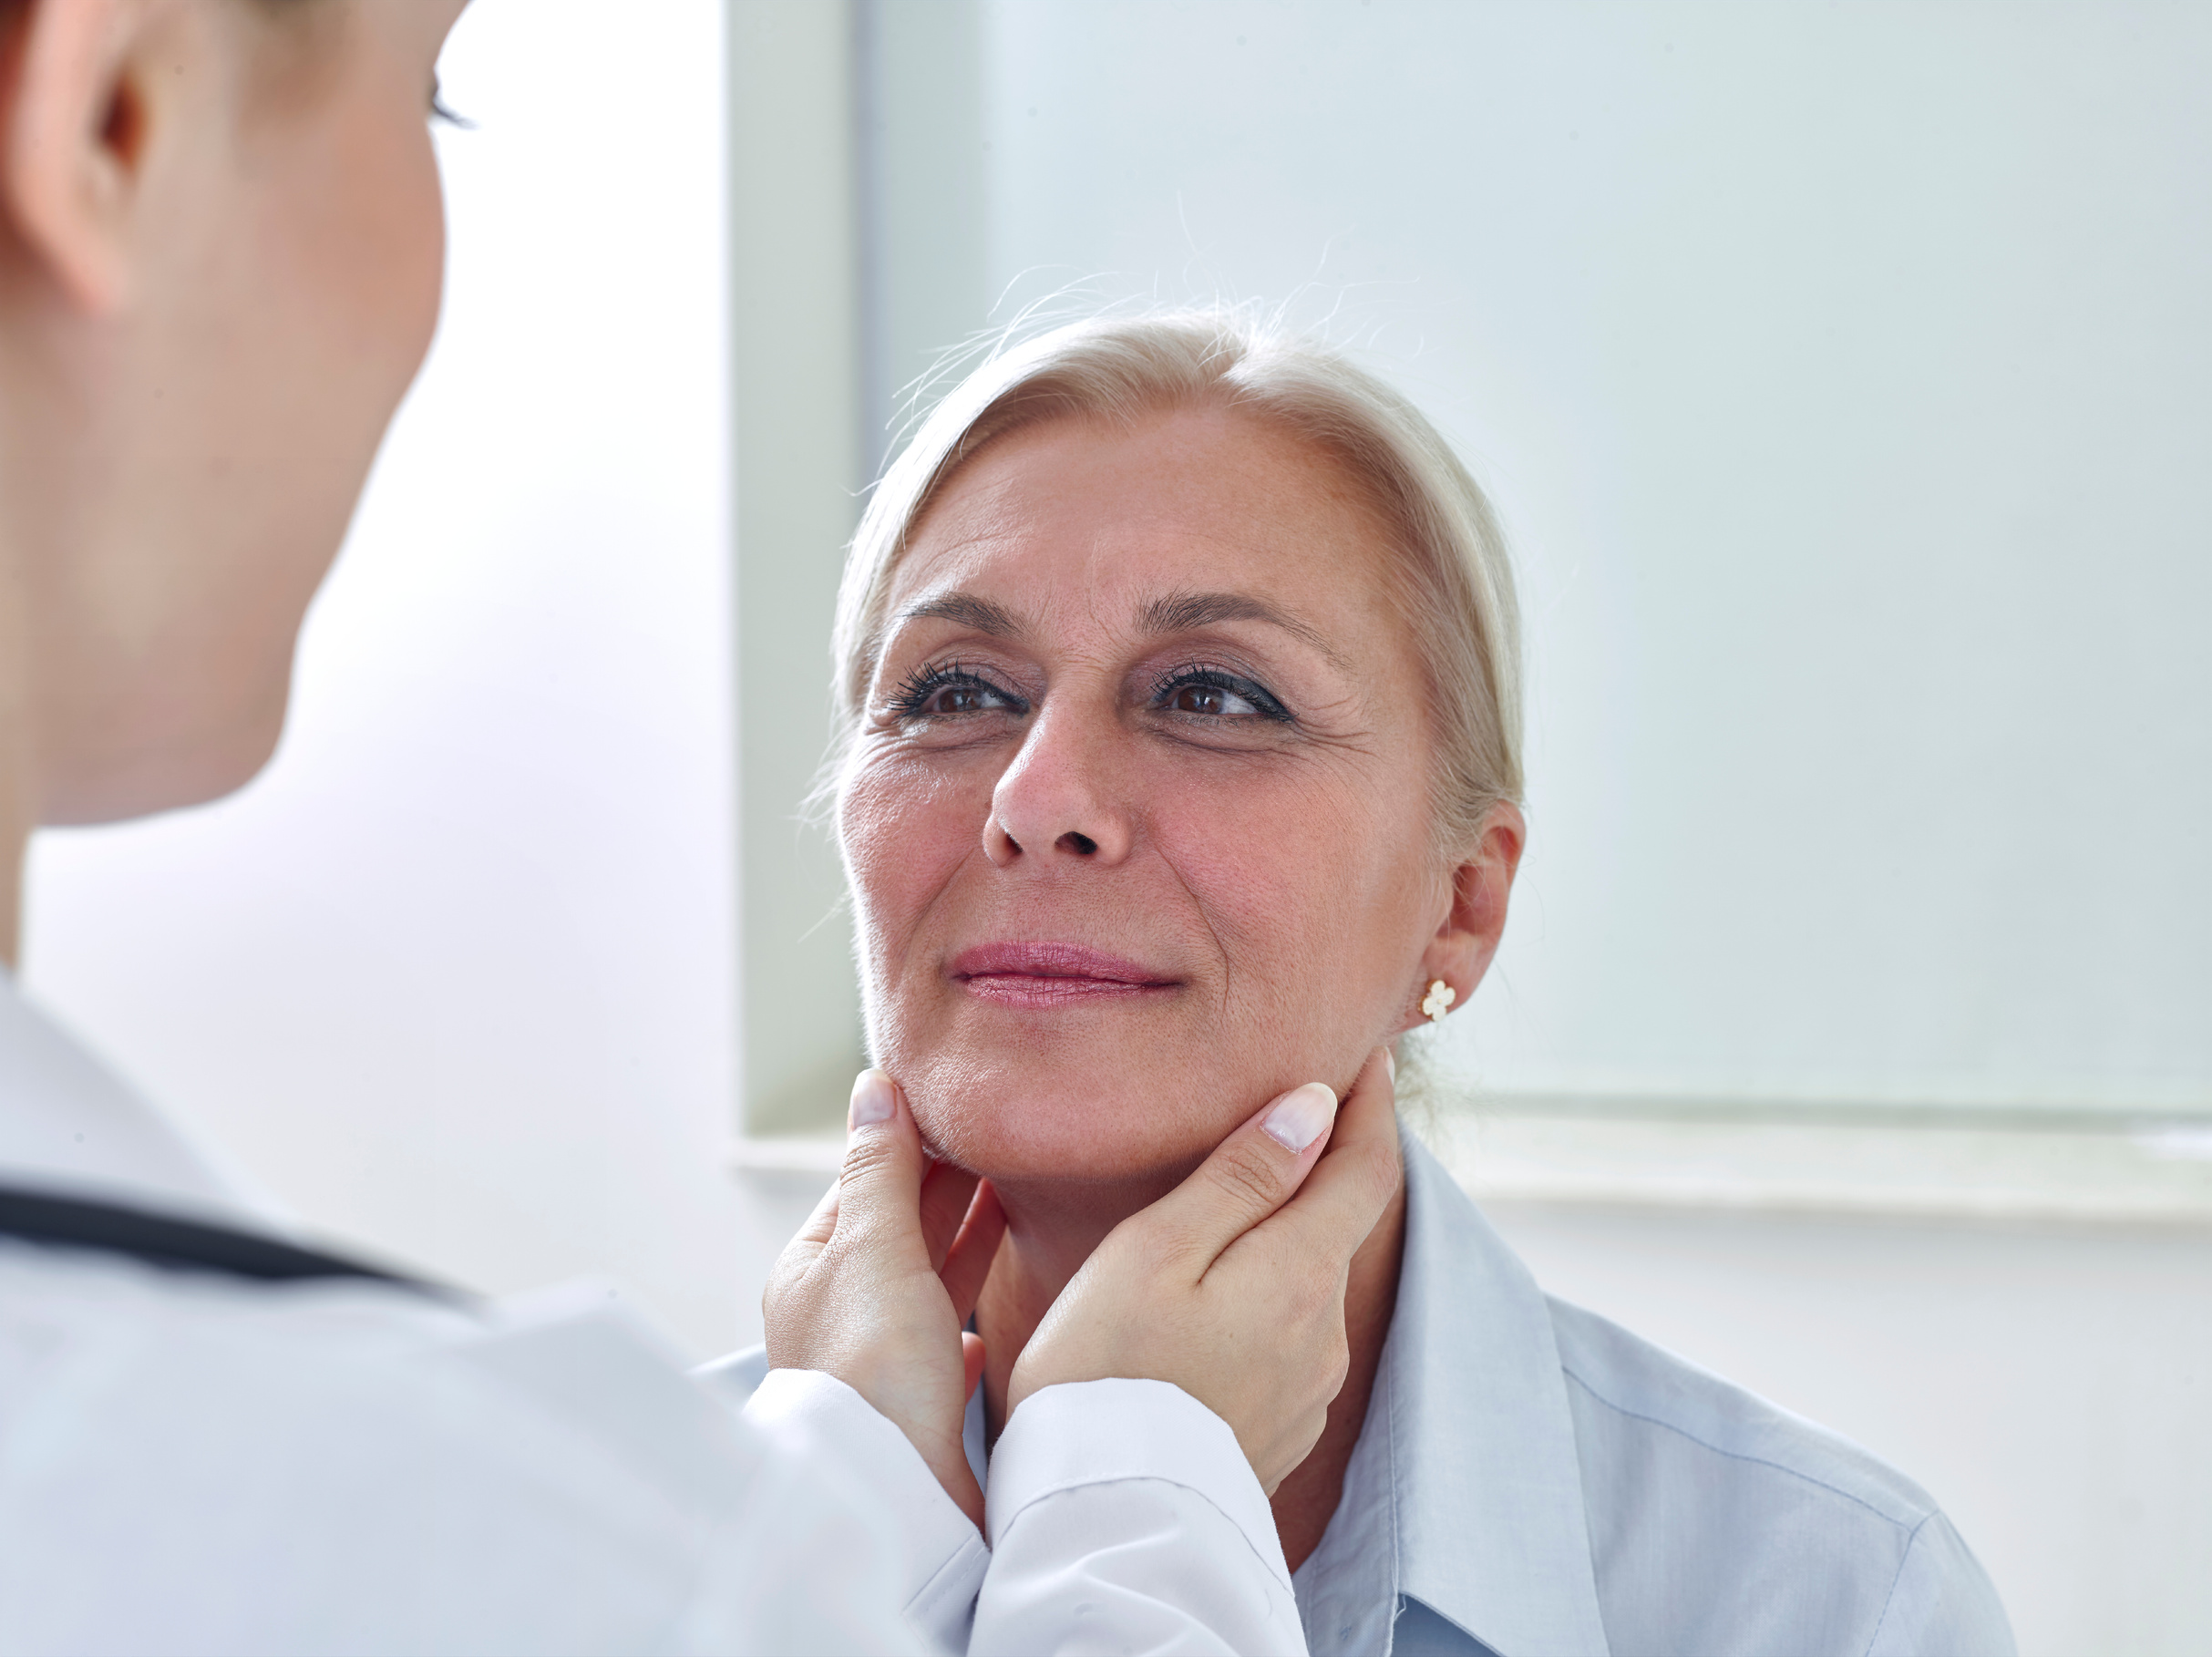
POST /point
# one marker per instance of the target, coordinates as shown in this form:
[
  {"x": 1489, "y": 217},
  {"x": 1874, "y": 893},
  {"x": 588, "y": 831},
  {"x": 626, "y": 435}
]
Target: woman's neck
[{"x": 1046, "y": 1244}]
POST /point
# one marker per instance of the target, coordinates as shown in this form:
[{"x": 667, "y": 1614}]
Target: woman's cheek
[
  {"x": 1307, "y": 891},
  {"x": 863, "y": 820},
  {"x": 1272, "y": 866},
  {"x": 904, "y": 830}
]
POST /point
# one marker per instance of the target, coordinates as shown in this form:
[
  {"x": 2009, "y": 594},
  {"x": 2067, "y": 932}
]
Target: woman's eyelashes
[
  {"x": 1194, "y": 697},
  {"x": 1213, "y": 694},
  {"x": 949, "y": 690}
]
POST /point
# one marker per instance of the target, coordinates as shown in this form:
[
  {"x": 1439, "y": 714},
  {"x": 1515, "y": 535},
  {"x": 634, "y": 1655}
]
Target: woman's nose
[{"x": 1058, "y": 801}]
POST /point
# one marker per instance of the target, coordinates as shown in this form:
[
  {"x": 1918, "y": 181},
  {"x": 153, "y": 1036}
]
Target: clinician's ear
[
  {"x": 1482, "y": 885},
  {"x": 81, "y": 101}
]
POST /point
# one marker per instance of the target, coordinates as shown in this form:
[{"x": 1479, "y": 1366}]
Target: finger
[
  {"x": 946, "y": 1195},
  {"x": 972, "y": 1355},
  {"x": 1251, "y": 1174},
  {"x": 1352, "y": 1184},
  {"x": 822, "y": 1222},
  {"x": 968, "y": 1262},
  {"x": 879, "y": 1188},
  {"x": 797, "y": 1260}
]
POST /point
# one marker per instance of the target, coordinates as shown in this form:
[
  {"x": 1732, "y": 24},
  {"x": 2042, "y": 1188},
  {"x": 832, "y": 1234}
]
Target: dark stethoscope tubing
[{"x": 175, "y": 1244}]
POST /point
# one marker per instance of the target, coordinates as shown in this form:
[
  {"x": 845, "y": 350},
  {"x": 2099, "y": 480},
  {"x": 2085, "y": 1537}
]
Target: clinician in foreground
[{"x": 221, "y": 258}]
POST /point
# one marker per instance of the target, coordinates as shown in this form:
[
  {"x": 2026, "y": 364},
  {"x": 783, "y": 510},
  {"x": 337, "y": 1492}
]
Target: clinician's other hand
[
  {"x": 875, "y": 1287},
  {"x": 1232, "y": 1285}
]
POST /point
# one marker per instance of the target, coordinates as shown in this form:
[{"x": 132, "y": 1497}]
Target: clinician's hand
[
  {"x": 878, "y": 1282},
  {"x": 1232, "y": 1285}
]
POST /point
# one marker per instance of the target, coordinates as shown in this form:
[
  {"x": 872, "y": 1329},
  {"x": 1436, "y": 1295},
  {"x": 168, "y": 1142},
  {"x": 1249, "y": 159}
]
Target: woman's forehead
[{"x": 1126, "y": 521}]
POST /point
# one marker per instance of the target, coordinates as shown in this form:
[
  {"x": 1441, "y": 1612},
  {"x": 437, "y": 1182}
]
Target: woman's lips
[{"x": 1052, "y": 974}]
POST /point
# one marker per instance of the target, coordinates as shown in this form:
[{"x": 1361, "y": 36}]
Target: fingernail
[
  {"x": 1300, "y": 1116},
  {"x": 1390, "y": 1062},
  {"x": 871, "y": 1100}
]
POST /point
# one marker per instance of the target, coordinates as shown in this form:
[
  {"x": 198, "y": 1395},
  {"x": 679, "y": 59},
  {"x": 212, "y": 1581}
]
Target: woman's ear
[
  {"x": 79, "y": 101},
  {"x": 1482, "y": 884}
]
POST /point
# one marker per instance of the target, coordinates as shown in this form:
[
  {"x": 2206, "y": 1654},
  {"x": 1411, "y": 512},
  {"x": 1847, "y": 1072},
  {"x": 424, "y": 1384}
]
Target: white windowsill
[
  {"x": 2079, "y": 1169},
  {"x": 786, "y": 1154}
]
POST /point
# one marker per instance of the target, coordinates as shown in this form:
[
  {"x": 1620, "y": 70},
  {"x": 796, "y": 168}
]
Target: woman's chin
[
  {"x": 1032, "y": 1135},
  {"x": 1081, "y": 1100}
]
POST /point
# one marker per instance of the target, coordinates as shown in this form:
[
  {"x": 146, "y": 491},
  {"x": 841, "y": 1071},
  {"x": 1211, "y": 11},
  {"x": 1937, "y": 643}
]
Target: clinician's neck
[
  {"x": 14, "y": 842},
  {"x": 58, "y": 489},
  {"x": 1051, "y": 1232},
  {"x": 39, "y": 426},
  {"x": 18, "y": 814}
]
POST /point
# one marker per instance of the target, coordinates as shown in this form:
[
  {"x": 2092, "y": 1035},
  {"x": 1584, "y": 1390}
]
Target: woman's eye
[
  {"x": 962, "y": 699},
  {"x": 1207, "y": 699},
  {"x": 951, "y": 693},
  {"x": 1208, "y": 693}
]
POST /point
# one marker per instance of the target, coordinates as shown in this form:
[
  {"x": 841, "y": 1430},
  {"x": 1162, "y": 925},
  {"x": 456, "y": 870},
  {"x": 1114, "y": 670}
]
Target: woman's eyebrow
[
  {"x": 966, "y": 610},
  {"x": 1189, "y": 612},
  {"x": 1175, "y": 613}
]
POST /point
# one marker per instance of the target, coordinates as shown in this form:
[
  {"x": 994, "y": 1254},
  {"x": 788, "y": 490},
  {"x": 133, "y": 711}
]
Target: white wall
[
  {"x": 1846, "y": 377},
  {"x": 455, "y": 978},
  {"x": 795, "y": 227}
]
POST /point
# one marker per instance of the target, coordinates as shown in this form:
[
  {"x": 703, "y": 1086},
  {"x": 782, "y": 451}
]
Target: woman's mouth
[{"x": 1043, "y": 975}]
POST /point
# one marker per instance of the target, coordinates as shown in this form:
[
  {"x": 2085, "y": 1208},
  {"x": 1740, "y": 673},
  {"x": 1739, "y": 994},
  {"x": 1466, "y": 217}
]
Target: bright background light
[{"x": 455, "y": 978}]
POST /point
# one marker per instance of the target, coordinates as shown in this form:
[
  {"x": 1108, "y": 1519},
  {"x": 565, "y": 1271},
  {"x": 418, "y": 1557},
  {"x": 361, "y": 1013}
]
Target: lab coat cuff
[
  {"x": 1099, "y": 1432},
  {"x": 814, "y": 1414}
]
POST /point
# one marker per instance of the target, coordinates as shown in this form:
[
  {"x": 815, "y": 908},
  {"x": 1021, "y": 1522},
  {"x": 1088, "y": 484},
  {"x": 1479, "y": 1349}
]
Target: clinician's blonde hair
[{"x": 1452, "y": 580}]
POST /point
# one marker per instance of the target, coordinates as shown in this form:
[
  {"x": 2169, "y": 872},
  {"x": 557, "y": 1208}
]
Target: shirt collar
[
  {"x": 68, "y": 1126},
  {"x": 1465, "y": 1490}
]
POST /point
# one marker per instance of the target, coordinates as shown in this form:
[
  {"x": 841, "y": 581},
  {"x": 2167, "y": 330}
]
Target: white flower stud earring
[{"x": 1438, "y": 1001}]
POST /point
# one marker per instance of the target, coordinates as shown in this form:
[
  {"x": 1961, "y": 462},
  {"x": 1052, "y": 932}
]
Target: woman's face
[{"x": 1137, "y": 826}]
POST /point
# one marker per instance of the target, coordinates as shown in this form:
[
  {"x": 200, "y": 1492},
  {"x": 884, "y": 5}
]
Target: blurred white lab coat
[{"x": 193, "y": 1461}]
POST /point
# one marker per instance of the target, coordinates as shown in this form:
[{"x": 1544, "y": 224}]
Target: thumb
[
  {"x": 878, "y": 1189},
  {"x": 1362, "y": 1172},
  {"x": 1251, "y": 1174}
]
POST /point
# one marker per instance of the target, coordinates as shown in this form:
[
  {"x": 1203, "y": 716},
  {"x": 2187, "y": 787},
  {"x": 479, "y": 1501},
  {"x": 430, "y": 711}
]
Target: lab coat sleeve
[
  {"x": 346, "y": 1468},
  {"x": 814, "y": 1419},
  {"x": 1123, "y": 1515},
  {"x": 1124, "y": 1518}
]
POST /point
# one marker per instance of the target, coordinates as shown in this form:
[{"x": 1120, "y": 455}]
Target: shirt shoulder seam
[
  {"x": 1912, "y": 1525},
  {"x": 1889, "y": 1600}
]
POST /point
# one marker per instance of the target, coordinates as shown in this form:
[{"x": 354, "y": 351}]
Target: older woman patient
[{"x": 1179, "y": 673}]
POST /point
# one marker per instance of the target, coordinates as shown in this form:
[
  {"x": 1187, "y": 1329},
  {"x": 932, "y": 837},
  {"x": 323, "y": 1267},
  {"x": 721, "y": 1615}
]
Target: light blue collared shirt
[{"x": 1532, "y": 1480}]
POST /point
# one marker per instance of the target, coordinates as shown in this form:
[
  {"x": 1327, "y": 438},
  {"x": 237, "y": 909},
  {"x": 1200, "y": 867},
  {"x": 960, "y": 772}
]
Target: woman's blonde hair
[{"x": 1452, "y": 580}]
